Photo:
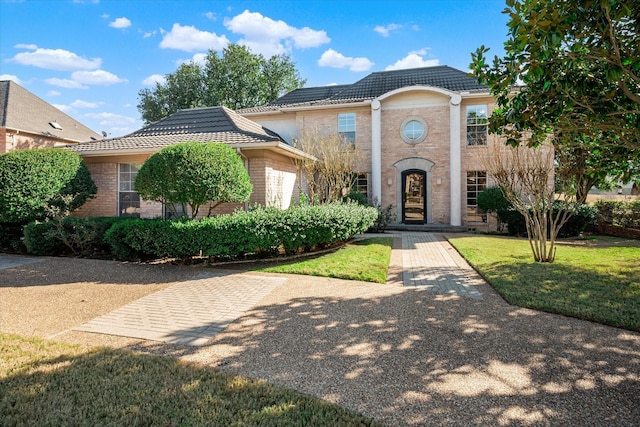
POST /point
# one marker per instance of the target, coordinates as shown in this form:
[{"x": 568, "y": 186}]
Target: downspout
[{"x": 246, "y": 166}]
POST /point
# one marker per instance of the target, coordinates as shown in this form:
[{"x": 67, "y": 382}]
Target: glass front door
[{"x": 414, "y": 197}]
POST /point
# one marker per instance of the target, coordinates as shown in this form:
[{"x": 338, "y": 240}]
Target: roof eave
[{"x": 282, "y": 110}]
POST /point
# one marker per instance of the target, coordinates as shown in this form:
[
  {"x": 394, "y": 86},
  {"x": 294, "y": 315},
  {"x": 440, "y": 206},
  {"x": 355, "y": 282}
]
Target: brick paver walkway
[
  {"x": 189, "y": 313},
  {"x": 430, "y": 264},
  {"x": 192, "y": 312}
]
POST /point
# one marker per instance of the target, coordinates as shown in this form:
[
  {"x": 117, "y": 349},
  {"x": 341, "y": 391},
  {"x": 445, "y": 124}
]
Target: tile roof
[
  {"x": 309, "y": 94},
  {"x": 24, "y": 111},
  {"x": 374, "y": 85},
  {"x": 209, "y": 124}
]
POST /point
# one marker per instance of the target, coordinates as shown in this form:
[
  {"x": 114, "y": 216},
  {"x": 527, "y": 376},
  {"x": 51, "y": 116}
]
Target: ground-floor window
[
  {"x": 476, "y": 182},
  {"x": 362, "y": 184},
  {"x": 128, "y": 199}
]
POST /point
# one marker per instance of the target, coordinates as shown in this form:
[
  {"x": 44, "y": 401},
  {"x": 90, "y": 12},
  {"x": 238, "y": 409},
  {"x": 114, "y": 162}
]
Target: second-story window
[
  {"x": 347, "y": 127},
  {"x": 477, "y": 125}
]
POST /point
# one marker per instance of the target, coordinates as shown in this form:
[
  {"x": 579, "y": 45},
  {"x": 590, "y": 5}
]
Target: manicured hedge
[
  {"x": 77, "y": 236},
  {"x": 259, "y": 232},
  {"x": 35, "y": 179},
  {"x": 619, "y": 213}
]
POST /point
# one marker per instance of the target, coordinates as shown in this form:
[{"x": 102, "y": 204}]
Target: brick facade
[
  {"x": 273, "y": 176},
  {"x": 434, "y": 150}
]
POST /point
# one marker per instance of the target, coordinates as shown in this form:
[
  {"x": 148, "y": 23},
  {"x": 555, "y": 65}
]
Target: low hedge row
[
  {"x": 584, "y": 218},
  {"x": 71, "y": 236},
  {"x": 260, "y": 232},
  {"x": 619, "y": 213}
]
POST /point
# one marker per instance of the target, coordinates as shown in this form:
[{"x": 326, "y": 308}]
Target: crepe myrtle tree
[
  {"x": 194, "y": 174},
  {"x": 331, "y": 172}
]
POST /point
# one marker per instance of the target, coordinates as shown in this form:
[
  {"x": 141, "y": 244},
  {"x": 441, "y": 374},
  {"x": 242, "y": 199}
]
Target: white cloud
[
  {"x": 384, "y": 31},
  {"x": 412, "y": 60},
  {"x": 26, "y": 46},
  {"x": 110, "y": 119},
  {"x": 190, "y": 39},
  {"x": 420, "y": 52},
  {"x": 333, "y": 59},
  {"x": 97, "y": 77},
  {"x": 153, "y": 79},
  {"x": 105, "y": 16},
  {"x": 211, "y": 16},
  {"x": 63, "y": 108},
  {"x": 149, "y": 34},
  {"x": 66, "y": 83},
  {"x": 78, "y": 103},
  {"x": 10, "y": 77},
  {"x": 120, "y": 23},
  {"x": 269, "y": 37},
  {"x": 56, "y": 59},
  {"x": 53, "y": 93},
  {"x": 198, "y": 58}
]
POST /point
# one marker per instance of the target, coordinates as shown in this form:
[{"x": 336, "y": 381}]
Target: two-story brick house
[{"x": 423, "y": 132}]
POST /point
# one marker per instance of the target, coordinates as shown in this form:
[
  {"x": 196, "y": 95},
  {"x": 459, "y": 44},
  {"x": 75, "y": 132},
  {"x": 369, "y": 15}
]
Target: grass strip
[
  {"x": 596, "y": 280},
  {"x": 49, "y": 383},
  {"x": 366, "y": 260}
]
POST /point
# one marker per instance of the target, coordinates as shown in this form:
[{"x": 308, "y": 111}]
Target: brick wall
[{"x": 105, "y": 176}]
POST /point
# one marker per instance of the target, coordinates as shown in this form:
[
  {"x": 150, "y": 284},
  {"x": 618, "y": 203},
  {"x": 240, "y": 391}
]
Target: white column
[
  {"x": 376, "y": 152},
  {"x": 454, "y": 160}
]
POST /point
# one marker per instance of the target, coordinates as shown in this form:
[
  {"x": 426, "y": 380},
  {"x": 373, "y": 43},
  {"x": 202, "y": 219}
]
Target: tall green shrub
[
  {"x": 194, "y": 174},
  {"x": 37, "y": 179},
  {"x": 260, "y": 232}
]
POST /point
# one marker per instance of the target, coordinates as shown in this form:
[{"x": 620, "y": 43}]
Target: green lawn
[
  {"x": 48, "y": 383},
  {"x": 366, "y": 260},
  {"x": 596, "y": 280}
]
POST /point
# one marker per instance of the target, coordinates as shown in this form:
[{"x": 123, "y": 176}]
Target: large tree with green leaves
[
  {"x": 236, "y": 79},
  {"x": 194, "y": 174},
  {"x": 571, "y": 73}
]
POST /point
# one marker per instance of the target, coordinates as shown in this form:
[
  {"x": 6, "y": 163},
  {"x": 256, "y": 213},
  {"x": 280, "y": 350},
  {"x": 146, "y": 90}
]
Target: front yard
[{"x": 596, "y": 279}]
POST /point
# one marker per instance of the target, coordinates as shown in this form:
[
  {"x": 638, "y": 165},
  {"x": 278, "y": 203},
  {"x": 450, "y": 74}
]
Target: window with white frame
[
  {"x": 477, "y": 125},
  {"x": 128, "y": 198},
  {"x": 476, "y": 182},
  {"x": 413, "y": 130},
  {"x": 347, "y": 127}
]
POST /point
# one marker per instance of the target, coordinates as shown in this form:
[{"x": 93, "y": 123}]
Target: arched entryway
[
  {"x": 414, "y": 196},
  {"x": 413, "y": 192}
]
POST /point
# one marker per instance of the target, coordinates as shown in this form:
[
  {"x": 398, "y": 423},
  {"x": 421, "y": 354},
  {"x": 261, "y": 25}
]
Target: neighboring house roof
[
  {"x": 375, "y": 85},
  {"x": 23, "y": 111},
  {"x": 209, "y": 124}
]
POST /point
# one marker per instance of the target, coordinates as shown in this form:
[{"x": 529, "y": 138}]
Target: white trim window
[
  {"x": 413, "y": 130},
  {"x": 128, "y": 198},
  {"x": 477, "y": 125},
  {"x": 476, "y": 183},
  {"x": 347, "y": 127}
]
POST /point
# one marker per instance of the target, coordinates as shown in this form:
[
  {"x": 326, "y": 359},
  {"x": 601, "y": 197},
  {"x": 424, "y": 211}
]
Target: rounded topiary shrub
[
  {"x": 194, "y": 174},
  {"x": 38, "y": 183}
]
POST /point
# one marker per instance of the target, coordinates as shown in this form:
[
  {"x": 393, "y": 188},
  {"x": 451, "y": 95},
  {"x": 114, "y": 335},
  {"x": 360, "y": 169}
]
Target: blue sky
[{"x": 90, "y": 58}]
